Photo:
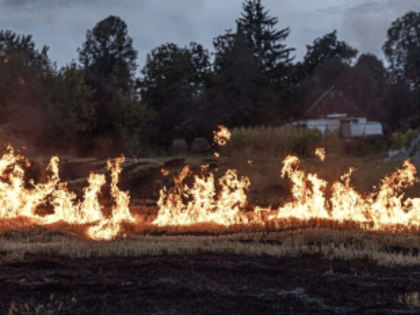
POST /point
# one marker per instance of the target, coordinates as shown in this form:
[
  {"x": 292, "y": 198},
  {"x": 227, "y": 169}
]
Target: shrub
[
  {"x": 276, "y": 140},
  {"x": 399, "y": 140},
  {"x": 363, "y": 146}
]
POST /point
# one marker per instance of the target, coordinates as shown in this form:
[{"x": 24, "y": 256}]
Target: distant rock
[
  {"x": 200, "y": 145},
  {"x": 179, "y": 145}
]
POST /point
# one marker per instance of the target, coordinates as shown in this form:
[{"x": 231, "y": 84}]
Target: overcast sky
[{"x": 62, "y": 24}]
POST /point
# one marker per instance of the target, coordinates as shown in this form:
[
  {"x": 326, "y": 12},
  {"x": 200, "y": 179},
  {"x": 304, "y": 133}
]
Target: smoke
[{"x": 367, "y": 23}]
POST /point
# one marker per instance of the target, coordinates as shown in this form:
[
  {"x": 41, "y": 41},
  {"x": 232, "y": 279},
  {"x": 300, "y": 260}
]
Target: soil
[{"x": 207, "y": 283}]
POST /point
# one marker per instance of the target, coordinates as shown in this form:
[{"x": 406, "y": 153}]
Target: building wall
[
  {"x": 326, "y": 126},
  {"x": 374, "y": 128},
  {"x": 367, "y": 129},
  {"x": 354, "y": 128}
]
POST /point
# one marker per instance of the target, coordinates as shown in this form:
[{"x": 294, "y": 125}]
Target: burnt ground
[{"x": 207, "y": 283}]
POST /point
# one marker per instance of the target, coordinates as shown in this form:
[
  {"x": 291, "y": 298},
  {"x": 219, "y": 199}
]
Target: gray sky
[{"x": 62, "y": 24}]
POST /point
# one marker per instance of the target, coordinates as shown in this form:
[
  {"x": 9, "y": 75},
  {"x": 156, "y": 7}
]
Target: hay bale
[
  {"x": 200, "y": 145},
  {"x": 179, "y": 145}
]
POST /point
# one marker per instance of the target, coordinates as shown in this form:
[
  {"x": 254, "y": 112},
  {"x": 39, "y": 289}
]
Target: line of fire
[{"x": 181, "y": 205}]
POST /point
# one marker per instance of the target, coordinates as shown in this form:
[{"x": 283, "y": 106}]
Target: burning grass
[
  {"x": 305, "y": 207},
  {"x": 201, "y": 211}
]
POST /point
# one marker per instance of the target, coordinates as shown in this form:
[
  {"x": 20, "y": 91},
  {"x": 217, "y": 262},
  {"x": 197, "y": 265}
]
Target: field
[{"x": 293, "y": 266}]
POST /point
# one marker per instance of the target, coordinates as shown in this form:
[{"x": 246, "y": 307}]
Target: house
[{"x": 334, "y": 111}]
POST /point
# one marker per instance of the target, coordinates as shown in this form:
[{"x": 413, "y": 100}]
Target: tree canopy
[
  {"x": 326, "y": 48},
  {"x": 273, "y": 57},
  {"x": 402, "y": 50}
]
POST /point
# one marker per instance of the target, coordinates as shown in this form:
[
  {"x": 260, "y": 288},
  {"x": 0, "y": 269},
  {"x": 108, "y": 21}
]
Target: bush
[
  {"x": 363, "y": 146},
  {"x": 300, "y": 142},
  {"x": 399, "y": 140}
]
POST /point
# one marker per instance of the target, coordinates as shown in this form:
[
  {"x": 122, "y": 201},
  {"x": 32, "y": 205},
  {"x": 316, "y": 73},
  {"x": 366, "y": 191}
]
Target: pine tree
[{"x": 273, "y": 57}]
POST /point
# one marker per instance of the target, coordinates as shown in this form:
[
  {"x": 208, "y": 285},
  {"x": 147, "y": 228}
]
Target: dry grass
[{"x": 340, "y": 244}]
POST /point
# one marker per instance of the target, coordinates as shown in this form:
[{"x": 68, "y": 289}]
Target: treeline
[{"x": 252, "y": 81}]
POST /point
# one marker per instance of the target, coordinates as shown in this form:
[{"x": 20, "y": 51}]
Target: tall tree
[
  {"x": 172, "y": 76},
  {"x": 235, "y": 80},
  {"x": 108, "y": 51},
  {"x": 273, "y": 57},
  {"x": 402, "y": 50},
  {"x": 326, "y": 48},
  {"x": 108, "y": 58}
]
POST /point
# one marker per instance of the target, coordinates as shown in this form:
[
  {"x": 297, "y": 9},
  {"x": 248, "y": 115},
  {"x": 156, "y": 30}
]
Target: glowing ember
[
  {"x": 164, "y": 172},
  {"x": 216, "y": 154},
  {"x": 250, "y": 161}
]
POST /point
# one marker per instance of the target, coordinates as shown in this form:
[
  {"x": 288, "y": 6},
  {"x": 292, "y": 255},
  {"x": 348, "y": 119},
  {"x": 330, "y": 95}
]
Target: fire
[
  {"x": 16, "y": 200},
  {"x": 204, "y": 206},
  {"x": 216, "y": 155},
  {"x": 222, "y": 136},
  {"x": 108, "y": 228},
  {"x": 201, "y": 202},
  {"x": 320, "y": 152}
]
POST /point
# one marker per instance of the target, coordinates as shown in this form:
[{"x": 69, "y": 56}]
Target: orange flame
[
  {"x": 183, "y": 205},
  {"x": 320, "y": 152},
  {"x": 222, "y": 136}
]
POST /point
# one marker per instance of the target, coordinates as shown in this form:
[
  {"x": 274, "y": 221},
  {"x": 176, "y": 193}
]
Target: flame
[
  {"x": 320, "y": 152},
  {"x": 198, "y": 202},
  {"x": 204, "y": 206},
  {"x": 16, "y": 200},
  {"x": 222, "y": 136}
]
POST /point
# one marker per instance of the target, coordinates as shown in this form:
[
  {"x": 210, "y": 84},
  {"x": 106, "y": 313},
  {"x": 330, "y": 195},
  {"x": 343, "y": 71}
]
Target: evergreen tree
[
  {"x": 273, "y": 57},
  {"x": 235, "y": 80},
  {"x": 12, "y": 43}
]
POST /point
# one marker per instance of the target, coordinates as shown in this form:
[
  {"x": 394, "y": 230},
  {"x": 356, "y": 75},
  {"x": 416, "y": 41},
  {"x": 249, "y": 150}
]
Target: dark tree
[
  {"x": 108, "y": 51},
  {"x": 12, "y": 43},
  {"x": 402, "y": 50},
  {"x": 108, "y": 58},
  {"x": 234, "y": 89},
  {"x": 273, "y": 57},
  {"x": 70, "y": 112},
  {"x": 398, "y": 109},
  {"x": 375, "y": 65},
  {"x": 172, "y": 78},
  {"x": 327, "y": 48}
]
